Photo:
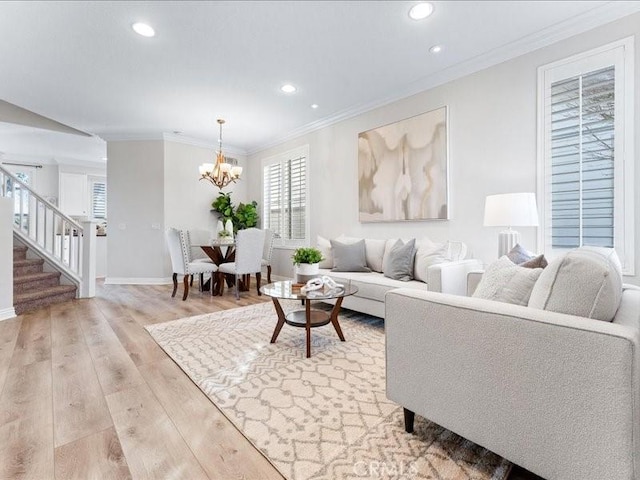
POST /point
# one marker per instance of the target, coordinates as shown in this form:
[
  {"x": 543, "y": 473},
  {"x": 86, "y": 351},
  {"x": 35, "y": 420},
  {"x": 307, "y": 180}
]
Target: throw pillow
[
  {"x": 428, "y": 255},
  {"x": 504, "y": 281},
  {"x": 586, "y": 282},
  {"x": 349, "y": 257},
  {"x": 535, "y": 262},
  {"x": 400, "y": 261},
  {"x": 324, "y": 246},
  {"x": 519, "y": 254},
  {"x": 374, "y": 251}
]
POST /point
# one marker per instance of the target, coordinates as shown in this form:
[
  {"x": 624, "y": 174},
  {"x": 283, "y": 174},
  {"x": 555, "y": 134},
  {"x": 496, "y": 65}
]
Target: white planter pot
[{"x": 307, "y": 269}]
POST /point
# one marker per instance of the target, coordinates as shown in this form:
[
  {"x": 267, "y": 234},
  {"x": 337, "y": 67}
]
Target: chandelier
[{"x": 222, "y": 173}]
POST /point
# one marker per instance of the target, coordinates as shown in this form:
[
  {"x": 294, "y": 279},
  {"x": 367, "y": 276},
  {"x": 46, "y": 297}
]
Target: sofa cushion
[
  {"x": 586, "y": 282},
  {"x": 349, "y": 257},
  {"x": 324, "y": 245},
  {"x": 374, "y": 251},
  {"x": 504, "y": 281},
  {"x": 428, "y": 254},
  {"x": 400, "y": 261},
  {"x": 374, "y": 285}
]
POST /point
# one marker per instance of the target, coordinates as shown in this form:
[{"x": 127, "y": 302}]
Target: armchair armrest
[
  {"x": 554, "y": 393},
  {"x": 451, "y": 277}
]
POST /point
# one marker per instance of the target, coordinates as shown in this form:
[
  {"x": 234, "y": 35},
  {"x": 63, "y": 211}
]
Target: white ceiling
[{"x": 81, "y": 64}]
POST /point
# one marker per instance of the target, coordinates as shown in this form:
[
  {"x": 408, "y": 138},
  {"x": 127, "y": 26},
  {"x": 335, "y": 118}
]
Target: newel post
[{"x": 88, "y": 285}]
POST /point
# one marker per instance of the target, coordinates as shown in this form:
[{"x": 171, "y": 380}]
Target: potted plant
[
  {"x": 222, "y": 204},
  {"x": 306, "y": 260},
  {"x": 245, "y": 216}
]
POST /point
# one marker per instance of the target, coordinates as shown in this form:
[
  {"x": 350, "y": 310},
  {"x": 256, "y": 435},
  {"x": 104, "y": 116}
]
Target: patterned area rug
[{"x": 325, "y": 417}]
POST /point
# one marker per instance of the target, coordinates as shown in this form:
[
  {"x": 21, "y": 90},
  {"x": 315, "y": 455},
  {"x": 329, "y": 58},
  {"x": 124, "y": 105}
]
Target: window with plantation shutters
[
  {"x": 98, "y": 199},
  {"x": 285, "y": 203},
  {"x": 586, "y": 164}
]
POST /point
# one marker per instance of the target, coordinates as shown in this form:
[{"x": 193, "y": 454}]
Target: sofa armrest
[
  {"x": 473, "y": 280},
  {"x": 451, "y": 277},
  {"x": 554, "y": 393}
]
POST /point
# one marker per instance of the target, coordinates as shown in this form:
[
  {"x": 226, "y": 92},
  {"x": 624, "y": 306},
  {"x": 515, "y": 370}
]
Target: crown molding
[
  {"x": 595, "y": 17},
  {"x": 170, "y": 137},
  {"x": 198, "y": 142}
]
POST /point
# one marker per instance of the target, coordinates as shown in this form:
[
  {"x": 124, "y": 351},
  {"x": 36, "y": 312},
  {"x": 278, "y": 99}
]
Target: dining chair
[
  {"x": 181, "y": 264},
  {"x": 248, "y": 258},
  {"x": 269, "y": 236}
]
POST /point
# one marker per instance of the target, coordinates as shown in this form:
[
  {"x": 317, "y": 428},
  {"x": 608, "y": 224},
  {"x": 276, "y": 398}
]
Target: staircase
[{"x": 34, "y": 288}]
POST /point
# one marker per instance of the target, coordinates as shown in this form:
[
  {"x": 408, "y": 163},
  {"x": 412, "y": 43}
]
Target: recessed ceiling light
[
  {"x": 104, "y": 159},
  {"x": 421, "y": 10},
  {"x": 143, "y": 29},
  {"x": 436, "y": 49},
  {"x": 314, "y": 105},
  {"x": 288, "y": 88}
]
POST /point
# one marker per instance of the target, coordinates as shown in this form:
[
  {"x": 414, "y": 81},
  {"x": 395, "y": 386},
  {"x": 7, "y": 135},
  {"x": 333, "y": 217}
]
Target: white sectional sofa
[
  {"x": 556, "y": 393},
  {"x": 449, "y": 275}
]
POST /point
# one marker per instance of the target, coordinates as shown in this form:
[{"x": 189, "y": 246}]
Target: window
[
  {"x": 285, "y": 199},
  {"x": 98, "y": 191},
  {"x": 585, "y": 154}
]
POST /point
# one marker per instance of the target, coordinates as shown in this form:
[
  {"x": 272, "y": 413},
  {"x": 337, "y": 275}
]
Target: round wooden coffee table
[{"x": 309, "y": 317}]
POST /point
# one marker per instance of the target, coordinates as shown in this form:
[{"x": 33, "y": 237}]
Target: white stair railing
[{"x": 54, "y": 235}]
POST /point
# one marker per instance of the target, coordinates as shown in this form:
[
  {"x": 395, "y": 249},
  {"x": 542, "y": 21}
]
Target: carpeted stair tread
[
  {"x": 19, "y": 253},
  {"x": 44, "y": 293},
  {"x": 28, "y": 262},
  {"x": 34, "y": 277}
]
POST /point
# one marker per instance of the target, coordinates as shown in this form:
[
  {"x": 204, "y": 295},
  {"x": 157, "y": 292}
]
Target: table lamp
[{"x": 510, "y": 210}]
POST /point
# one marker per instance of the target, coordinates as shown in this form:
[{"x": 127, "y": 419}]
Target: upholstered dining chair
[
  {"x": 179, "y": 251},
  {"x": 248, "y": 261},
  {"x": 269, "y": 236}
]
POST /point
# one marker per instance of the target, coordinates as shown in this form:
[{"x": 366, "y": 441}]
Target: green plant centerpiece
[
  {"x": 245, "y": 216},
  {"x": 222, "y": 204},
  {"x": 307, "y": 255},
  {"x": 223, "y": 234},
  {"x": 306, "y": 262}
]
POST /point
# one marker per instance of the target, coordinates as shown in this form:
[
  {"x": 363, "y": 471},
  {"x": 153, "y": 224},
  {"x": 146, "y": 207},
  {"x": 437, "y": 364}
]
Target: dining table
[{"x": 219, "y": 253}]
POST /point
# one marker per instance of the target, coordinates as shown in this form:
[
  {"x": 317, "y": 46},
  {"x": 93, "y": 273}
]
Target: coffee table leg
[
  {"x": 334, "y": 318},
  {"x": 308, "y": 326},
  {"x": 280, "y": 323}
]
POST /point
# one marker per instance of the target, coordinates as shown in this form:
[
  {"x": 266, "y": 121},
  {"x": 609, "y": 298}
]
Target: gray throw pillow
[
  {"x": 349, "y": 257},
  {"x": 399, "y": 264},
  {"x": 519, "y": 254}
]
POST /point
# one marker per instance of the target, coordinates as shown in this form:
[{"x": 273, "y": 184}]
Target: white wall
[
  {"x": 135, "y": 191},
  {"x": 492, "y": 149},
  {"x": 187, "y": 200},
  {"x": 153, "y": 185},
  {"x": 6, "y": 258}
]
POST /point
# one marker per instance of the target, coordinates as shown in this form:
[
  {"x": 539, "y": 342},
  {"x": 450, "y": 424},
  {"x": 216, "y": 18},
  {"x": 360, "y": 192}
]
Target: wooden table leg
[
  {"x": 334, "y": 318},
  {"x": 280, "y": 323},
  {"x": 308, "y": 326}
]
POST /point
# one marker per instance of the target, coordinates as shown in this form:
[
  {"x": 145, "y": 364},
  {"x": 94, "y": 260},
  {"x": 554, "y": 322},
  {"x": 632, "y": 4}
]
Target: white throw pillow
[
  {"x": 586, "y": 282},
  {"x": 504, "y": 281},
  {"x": 374, "y": 250},
  {"x": 428, "y": 255},
  {"x": 324, "y": 246}
]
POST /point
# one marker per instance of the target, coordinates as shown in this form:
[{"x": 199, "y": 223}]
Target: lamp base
[{"x": 507, "y": 239}]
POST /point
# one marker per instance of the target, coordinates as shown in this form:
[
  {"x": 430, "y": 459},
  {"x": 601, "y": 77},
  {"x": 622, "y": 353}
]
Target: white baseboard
[
  {"x": 7, "y": 313},
  {"x": 137, "y": 281}
]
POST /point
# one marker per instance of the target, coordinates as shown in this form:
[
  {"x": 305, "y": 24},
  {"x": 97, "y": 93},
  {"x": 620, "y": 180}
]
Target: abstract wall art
[{"x": 402, "y": 170}]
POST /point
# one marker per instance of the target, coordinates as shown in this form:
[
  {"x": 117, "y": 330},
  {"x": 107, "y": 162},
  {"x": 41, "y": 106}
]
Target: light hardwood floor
[{"x": 85, "y": 393}]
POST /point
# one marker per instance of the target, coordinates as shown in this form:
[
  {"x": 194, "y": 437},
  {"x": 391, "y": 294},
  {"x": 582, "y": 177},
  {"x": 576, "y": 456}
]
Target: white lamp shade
[{"x": 511, "y": 210}]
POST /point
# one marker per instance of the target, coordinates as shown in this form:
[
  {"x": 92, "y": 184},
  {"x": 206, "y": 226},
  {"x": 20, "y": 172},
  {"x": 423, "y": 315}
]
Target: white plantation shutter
[
  {"x": 285, "y": 203},
  {"x": 582, "y": 160},
  {"x": 586, "y": 166},
  {"x": 98, "y": 199}
]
